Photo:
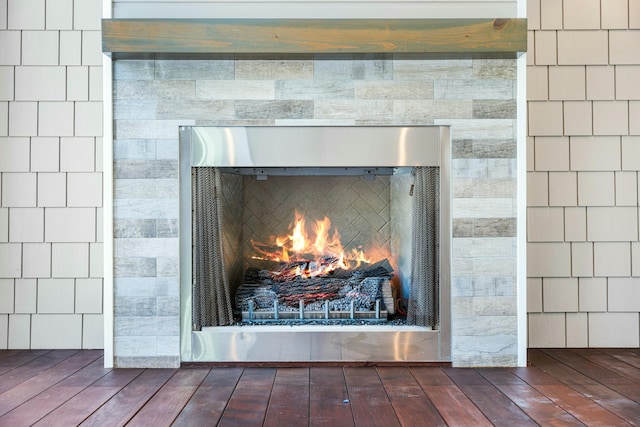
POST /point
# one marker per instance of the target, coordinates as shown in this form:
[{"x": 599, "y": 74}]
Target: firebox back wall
[{"x": 153, "y": 98}]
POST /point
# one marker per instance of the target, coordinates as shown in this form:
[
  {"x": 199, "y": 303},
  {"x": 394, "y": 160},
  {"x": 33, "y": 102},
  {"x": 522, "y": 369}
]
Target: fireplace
[
  {"x": 476, "y": 98},
  {"x": 378, "y": 283}
]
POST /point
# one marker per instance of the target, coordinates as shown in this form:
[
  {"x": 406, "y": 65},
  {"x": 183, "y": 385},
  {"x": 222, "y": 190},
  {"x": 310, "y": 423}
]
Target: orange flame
[{"x": 298, "y": 246}]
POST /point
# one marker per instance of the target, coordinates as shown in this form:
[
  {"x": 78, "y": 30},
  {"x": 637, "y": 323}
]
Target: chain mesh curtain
[
  {"x": 211, "y": 290},
  {"x": 423, "y": 309}
]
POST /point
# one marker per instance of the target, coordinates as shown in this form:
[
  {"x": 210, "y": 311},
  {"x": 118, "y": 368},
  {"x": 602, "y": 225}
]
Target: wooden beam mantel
[{"x": 486, "y": 37}]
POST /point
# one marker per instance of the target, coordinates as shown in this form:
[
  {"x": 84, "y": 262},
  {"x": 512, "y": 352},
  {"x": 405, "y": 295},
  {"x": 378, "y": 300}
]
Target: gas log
[{"x": 365, "y": 289}]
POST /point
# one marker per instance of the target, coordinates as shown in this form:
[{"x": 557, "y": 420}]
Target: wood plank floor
[{"x": 573, "y": 387}]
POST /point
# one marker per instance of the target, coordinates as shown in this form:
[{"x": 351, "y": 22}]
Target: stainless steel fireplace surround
[{"x": 317, "y": 150}]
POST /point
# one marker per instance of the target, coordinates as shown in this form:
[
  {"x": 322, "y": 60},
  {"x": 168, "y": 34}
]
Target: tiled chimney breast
[{"x": 153, "y": 98}]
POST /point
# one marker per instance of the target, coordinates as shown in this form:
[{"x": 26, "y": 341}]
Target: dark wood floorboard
[{"x": 560, "y": 387}]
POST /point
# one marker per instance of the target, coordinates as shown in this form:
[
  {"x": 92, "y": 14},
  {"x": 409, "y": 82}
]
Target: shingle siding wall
[
  {"x": 50, "y": 174},
  {"x": 584, "y": 146}
]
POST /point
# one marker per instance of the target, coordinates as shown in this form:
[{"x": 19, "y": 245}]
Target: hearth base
[{"x": 314, "y": 343}]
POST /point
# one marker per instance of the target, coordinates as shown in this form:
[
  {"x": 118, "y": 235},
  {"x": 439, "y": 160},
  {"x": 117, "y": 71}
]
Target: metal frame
[{"x": 423, "y": 146}]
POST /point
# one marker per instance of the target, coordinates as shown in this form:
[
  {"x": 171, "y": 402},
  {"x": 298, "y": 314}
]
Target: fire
[{"x": 311, "y": 254}]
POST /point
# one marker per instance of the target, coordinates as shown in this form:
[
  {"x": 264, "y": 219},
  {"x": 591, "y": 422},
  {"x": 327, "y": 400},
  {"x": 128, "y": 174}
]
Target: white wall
[
  {"x": 50, "y": 174},
  {"x": 583, "y": 163},
  {"x": 261, "y": 9}
]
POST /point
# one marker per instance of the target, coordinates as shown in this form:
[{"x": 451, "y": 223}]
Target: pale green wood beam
[{"x": 293, "y": 36}]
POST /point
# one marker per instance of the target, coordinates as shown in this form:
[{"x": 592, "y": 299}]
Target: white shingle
[
  {"x": 40, "y": 83},
  {"x": 26, "y": 14},
  {"x": 77, "y": 84},
  {"x": 45, "y": 154},
  {"x": 19, "y": 190},
  {"x": 612, "y": 259},
  {"x": 560, "y": 294},
  {"x": 59, "y": 15},
  {"x": 15, "y": 154},
  {"x": 40, "y": 47},
  {"x": 70, "y": 225},
  {"x": 596, "y": 188},
  {"x": 23, "y": 118},
  {"x": 36, "y": 260},
  {"x": 56, "y": 331},
  {"x": 610, "y": 118},
  {"x": 583, "y": 47},
  {"x": 55, "y": 119},
  {"x": 612, "y": 224},
  {"x": 26, "y": 224},
  {"x": 600, "y": 153},
  {"x": 84, "y": 189},
  {"x": 77, "y": 154},
  {"x": 70, "y": 260},
  {"x": 52, "y": 190}
]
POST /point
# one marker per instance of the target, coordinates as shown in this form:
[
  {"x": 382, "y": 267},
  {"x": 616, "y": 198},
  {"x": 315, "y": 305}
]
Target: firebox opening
[{"x": 315, "y": 246}]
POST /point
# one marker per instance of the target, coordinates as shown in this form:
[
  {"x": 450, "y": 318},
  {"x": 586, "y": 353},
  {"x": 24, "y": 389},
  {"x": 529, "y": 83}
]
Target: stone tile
[
  {"x": 145, "y": 208},
  {"x": 146, "y": 248},
  {"x": 343, "y": 109},
  {"x": 136, "y": 109},
  {"x": 495, "y": 69},
  {"x": 155, "y": 89},
  {"x": 392, "y": 89},
  {"x": 494, "y": 149},
  {"x": 147, "y": 326},
  {"x": 135, "y": 267},
  {"x": 145, "y": 169},
  {"x": 462, "y": 227},
  {"x": 484, "y": 325},
  {"x": 492, "y": 109},
  {"x": 168, "y": 306},
  {"x": 474, "y": 89},
  {"x": 135, "y": 306},
  {"x": 136, "y": 228},
  {"x": 462, "y": 149},
  {"x": 222, "y": 68},
  {"x": 314, "y": 89},
  {"x": 226, "y": 90},
  {"x": 416, "y": 67},
  {"x": 494, "y": 227},
  {"x": 483, "y": 208},
  {"x": 196, "y": 110},
  {"x": 275, "y": 110},
  {"x": 271, "y": 67},
  {"x": 138, "y": 69}
]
